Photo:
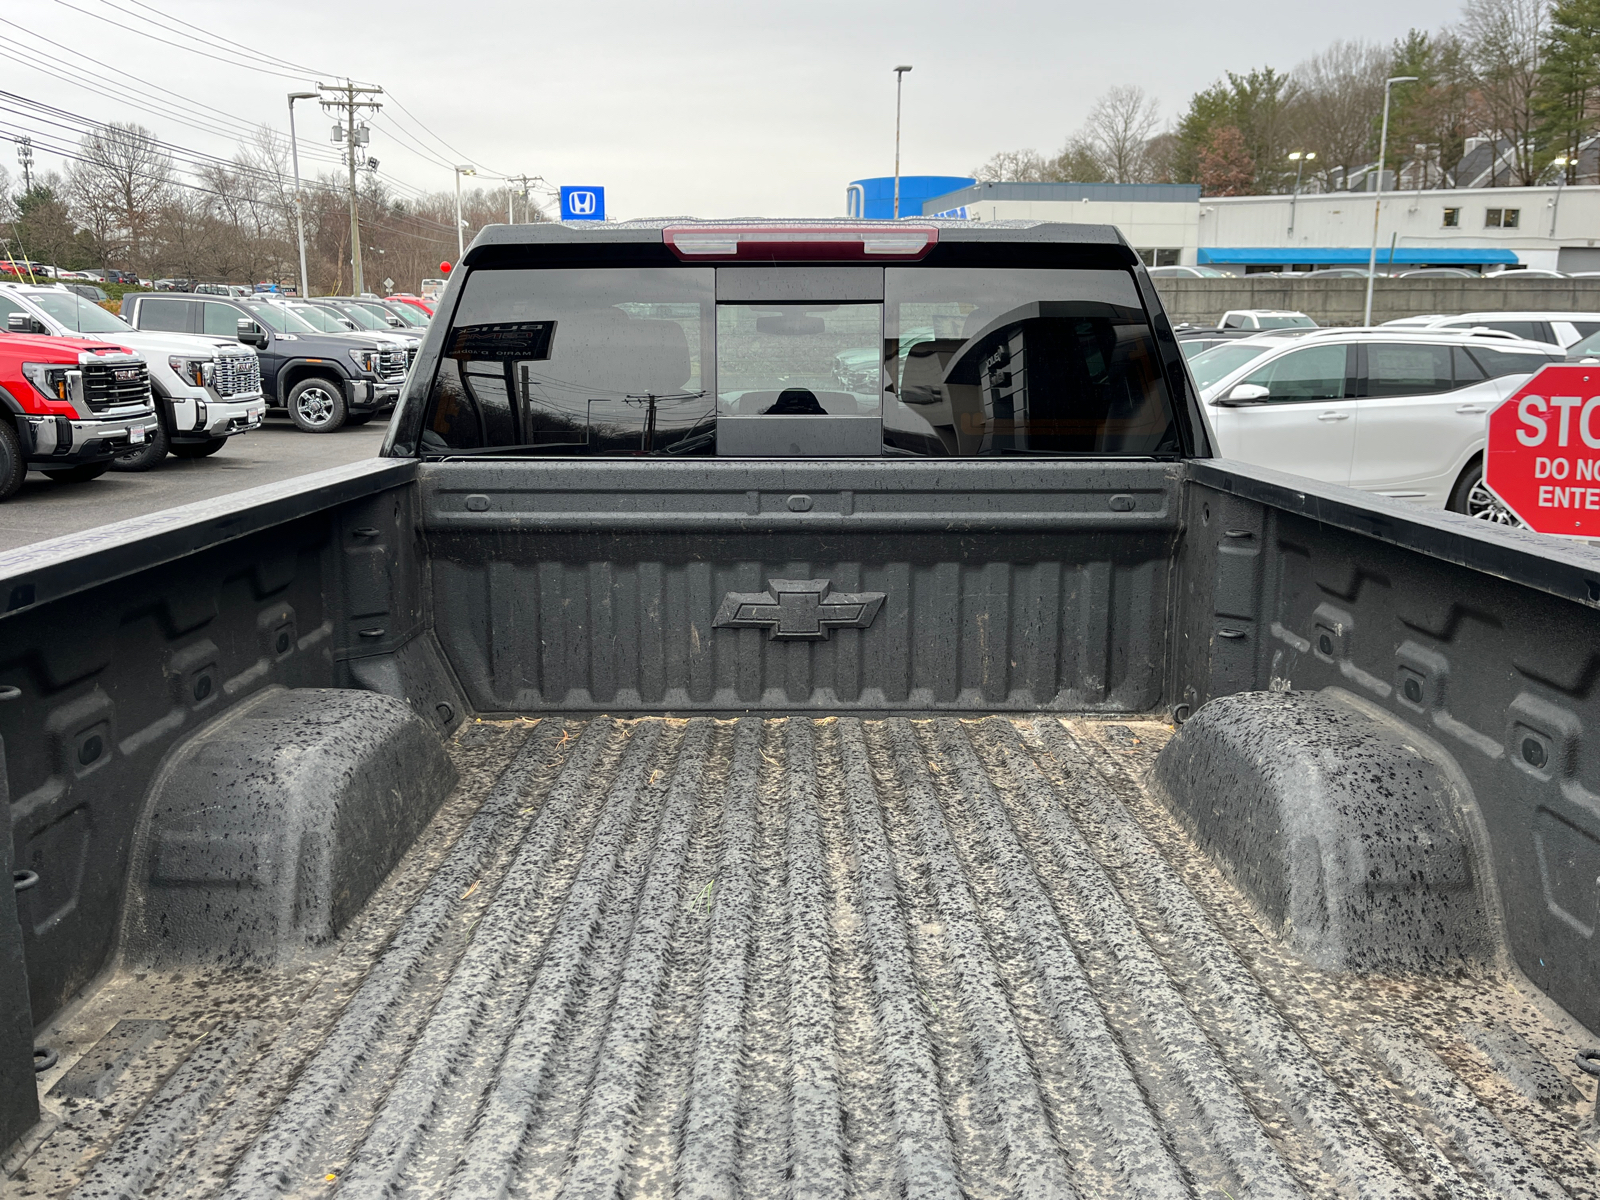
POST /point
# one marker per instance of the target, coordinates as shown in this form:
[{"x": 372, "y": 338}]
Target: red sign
[{"x": 1543, "y": 459}]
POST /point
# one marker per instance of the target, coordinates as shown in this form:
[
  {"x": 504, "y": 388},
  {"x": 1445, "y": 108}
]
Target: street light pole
[
  {"x": 461, "y": 247},
  {"x": 1561, "y": 182},
  {"x": 299, "y": 208},
  {"x": 1299, "y": 161},
  {"x": 1377, "y": 198},
  {"x": 899, "y": 78}
]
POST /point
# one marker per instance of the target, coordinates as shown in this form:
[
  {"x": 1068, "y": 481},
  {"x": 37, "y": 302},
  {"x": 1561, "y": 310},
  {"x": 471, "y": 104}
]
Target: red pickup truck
[{"x": 67, "y": 407}]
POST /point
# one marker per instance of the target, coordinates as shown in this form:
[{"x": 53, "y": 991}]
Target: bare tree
[
  {"x": 1012, "y": 166},
  {"x": 119, "y": 185},
  {"x": 1118, "y": 131},
  {"x": 1160, "y": 158},
  {"x": 1338, "y": 106},
  {"x": 1505, "y": 42}
]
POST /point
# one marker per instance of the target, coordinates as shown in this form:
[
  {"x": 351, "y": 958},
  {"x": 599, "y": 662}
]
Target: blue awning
[{"x": 1340, "y": 256}]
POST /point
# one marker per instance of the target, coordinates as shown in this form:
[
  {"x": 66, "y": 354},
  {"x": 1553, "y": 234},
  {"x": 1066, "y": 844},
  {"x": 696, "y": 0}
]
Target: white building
[
  {"x": 1160, "y": 220},
  {"x": 1557, "y": 228},
  {"x": 1553, "y": 227}
]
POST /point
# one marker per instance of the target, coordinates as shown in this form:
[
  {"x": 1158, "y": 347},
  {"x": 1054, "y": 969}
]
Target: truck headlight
[
  {"x": 196, "y": 372},
  {"x": 55, "y": 381},
  {"x": 367, "y": 360}
]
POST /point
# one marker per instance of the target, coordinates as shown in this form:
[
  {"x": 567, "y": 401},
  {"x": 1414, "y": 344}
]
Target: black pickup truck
[
  {"x": 323, "y": 381},
  {"x": 679, "y": 768}
]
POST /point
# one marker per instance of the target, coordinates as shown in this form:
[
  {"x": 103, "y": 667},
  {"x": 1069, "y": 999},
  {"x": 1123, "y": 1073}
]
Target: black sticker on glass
[{"x": 506, "y": 341}]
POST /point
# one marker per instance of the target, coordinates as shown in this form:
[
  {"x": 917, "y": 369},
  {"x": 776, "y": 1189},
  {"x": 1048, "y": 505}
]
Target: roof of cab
[{"x": 650, "y": 232}]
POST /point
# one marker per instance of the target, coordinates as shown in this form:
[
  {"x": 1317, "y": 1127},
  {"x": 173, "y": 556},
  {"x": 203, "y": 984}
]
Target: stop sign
[{"x": 1543, "y": 459}]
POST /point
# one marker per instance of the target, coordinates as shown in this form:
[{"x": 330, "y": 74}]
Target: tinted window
[
  {"x": 1511, "y": 362},
  {"x": 1311, "y": 373},
  {"x": 1289, "y": 322},
  {"x": 222, "y": 320},
  {"x": 7, "y": 307},
  {"x": 360, "y": 317},
  {"x": 1467, "y": 370},
  {"x": 277, "y": 318},
  {"x": 578, "y": 362},
  {"x": 1020, "y": 362},
  {"x": 952, "y": 362},
  {"x": 322, "y": 318},
  {"x": 1402, "y": 369},
  {"x": 1586, "y": 328},
  {"x": 165, "y": 316}
]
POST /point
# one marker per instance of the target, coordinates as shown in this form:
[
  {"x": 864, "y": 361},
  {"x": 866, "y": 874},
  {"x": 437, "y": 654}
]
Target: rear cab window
[{"x": 801, "y": 360}]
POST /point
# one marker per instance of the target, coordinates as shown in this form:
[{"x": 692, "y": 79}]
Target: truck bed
[{"x": 820, "y": 957}]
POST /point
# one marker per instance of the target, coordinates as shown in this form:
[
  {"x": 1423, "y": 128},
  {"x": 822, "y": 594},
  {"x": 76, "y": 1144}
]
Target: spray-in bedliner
[{"x": 809, "y": 957}]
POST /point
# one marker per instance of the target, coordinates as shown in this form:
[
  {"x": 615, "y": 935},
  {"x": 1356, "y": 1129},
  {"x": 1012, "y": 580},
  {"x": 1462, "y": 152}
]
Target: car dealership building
[{"x": 1481, "y": 229}]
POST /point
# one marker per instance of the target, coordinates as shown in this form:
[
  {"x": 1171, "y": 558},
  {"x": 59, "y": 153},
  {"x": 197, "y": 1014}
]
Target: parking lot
[{"x": 45, "y": 509}]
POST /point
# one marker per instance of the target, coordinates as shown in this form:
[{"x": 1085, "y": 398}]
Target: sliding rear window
[{"x": 799, "y": 363}]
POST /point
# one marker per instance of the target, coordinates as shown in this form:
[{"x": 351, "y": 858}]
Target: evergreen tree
[{"x": 1568, "y": 100}]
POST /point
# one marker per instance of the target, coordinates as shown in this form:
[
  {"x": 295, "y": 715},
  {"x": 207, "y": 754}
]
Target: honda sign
[{"x": 583, "y": 203}]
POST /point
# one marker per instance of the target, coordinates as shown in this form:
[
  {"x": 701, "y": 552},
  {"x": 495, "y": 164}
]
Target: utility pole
[
  {"x": 25, "y": 157},
  {"x": 346, "y": 99},
  {"x": 899, "y": 78},
  {"x": 524, "y": 180}
]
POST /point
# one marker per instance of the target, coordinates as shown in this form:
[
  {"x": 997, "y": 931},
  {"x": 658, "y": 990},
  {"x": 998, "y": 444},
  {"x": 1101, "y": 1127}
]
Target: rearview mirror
[
  {"x": 19, "y": 323},
  {"x": 1245, "y": 394}
]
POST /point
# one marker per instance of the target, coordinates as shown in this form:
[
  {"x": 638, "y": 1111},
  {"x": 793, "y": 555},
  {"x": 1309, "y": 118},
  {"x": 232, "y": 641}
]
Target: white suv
[
  {"x": 1401, "y": 412},
  {"x": 206, "y": 389},
  {"x": 1556, "y": 328}
]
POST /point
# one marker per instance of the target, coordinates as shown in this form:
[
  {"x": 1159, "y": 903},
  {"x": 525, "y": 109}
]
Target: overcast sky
[{"x": 704, "y": 109}]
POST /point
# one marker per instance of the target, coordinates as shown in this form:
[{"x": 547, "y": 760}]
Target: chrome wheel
[
  {"x": 1484, "y": 505},
  {"x": 316, "y": 406}
]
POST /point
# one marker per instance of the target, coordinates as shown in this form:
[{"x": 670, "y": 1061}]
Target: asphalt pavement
[{"x": 46, "y": 509}]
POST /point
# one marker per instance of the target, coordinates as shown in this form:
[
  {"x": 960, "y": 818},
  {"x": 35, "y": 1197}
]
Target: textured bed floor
[{"x": 772, "y": 957}]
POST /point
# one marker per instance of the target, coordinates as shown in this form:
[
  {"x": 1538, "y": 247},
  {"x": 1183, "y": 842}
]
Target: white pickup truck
[{"x": 206, "y": 389}]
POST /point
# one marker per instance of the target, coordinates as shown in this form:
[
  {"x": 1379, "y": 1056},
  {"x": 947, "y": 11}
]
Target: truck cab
[
  {"x": 68, "y": 407},
  {"x": 205, "y": 390},
  {"x": 324, "y": 380}
]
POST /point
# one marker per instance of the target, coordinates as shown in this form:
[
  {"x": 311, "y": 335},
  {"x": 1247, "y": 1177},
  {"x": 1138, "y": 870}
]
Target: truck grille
[
  {"x": 237, "y": 374},
  {"x": 411, "y": 355},
  {"x": 115, "y": 384},
  {"x": 392, "y": 364}
]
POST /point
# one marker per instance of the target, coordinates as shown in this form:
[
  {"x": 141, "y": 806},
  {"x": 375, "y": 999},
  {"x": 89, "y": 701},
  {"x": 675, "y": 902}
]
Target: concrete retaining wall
[{"x": 1339, "y": 301}]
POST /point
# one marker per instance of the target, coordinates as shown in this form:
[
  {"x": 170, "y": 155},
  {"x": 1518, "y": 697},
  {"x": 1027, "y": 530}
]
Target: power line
[
  {"x": 176, "y": 45},
  {"x": 217, "y": 37},
  {"x": 264, "y": 63},
  {"x": 155, "y": 107},
  {"x": 462, "y": 157},
  {"x": 76, "y": 123}
]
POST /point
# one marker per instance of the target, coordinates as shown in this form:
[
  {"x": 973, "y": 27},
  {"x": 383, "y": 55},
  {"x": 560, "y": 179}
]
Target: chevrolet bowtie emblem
[{"x": 798, "y": 609}]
